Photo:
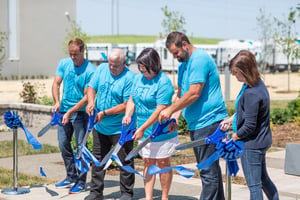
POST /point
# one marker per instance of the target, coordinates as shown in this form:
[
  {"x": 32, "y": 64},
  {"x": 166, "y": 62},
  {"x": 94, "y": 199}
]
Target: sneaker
[
  {"x": 67, "y": 182},
  {"x": 77, "y": 188}
]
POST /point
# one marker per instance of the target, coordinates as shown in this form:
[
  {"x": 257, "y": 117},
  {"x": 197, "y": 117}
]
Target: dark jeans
[
  {"x": 101, "y": 146},
  {"x": 212, "y": 185},
  {"x": 256, "y": 175},
  {"x": 78, "y": 125}
]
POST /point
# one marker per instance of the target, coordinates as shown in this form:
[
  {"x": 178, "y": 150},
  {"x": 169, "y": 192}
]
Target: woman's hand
[
  {"x": 225, "y": 124},
  {"x": 173, "y": 126},
  {"x": 234, "y": 137},
  {"x": 138, "y": 134}
]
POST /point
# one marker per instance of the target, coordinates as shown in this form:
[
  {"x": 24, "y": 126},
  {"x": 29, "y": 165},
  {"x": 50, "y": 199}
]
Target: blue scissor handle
[
  {"x": 126, "y": 134},
  {"x": 92, "y": 120},
  {"x": 160, "y": 127},
  {"x": 56, "y": 119},
  {"x": 216, "y": 136}
]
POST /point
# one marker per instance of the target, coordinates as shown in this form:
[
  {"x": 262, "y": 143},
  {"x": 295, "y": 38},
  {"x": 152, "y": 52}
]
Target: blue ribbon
[
  {"x": 42, "y": 172},
  {"x": 13, "y": 121},
  {"x": 230, "y": 151},
  {"x": 56, "y": 119},
  {"x": 126, "y": 167},
  {"x": 83, "y": 163},
  {"x": 180, "y": 169}
]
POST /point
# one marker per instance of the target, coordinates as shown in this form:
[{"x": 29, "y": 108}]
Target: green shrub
[
  {"x": 280, "y": 116},
  {"x": 182, "y": 126},
  {"x": 89, "y": 143},
  {"x": 46, "y": 100},
  {"x": 294, "y": 107}
]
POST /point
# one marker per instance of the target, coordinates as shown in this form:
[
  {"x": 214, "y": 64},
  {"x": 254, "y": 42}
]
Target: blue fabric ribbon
[
  {"x": 230, "y": 151},
  {"x": 126, "y": 167},
  {"x": 83, "y": 163},
  {"x": 12, "y": 120},
  {"x": 180, "y": 169},
  {"x": 42, "y": 172}
]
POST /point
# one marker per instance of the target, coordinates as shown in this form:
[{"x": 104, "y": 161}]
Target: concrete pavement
[{"x": 182, "y": 188}]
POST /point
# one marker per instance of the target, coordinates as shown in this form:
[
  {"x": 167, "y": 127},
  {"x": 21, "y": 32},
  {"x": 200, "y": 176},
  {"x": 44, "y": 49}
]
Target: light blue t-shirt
[
  {"x": 75, "y": 80},
  {"x": 147, "y": 94},
  {"x": 210, "y": 106},
  {"x": 111, "y": 91}
]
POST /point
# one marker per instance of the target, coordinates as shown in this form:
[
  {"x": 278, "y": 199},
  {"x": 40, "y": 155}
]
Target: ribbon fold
[
  {"x": 12, "y": 120},
  {"x": 230, "y": 151}
]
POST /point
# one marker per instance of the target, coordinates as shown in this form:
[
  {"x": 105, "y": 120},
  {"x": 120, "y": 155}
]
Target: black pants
[{"x": 101, "y": 146}]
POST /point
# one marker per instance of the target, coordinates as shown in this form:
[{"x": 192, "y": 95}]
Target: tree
[
  {"x": 266, "y": 35},
  {"x": 76, "y": 32},
  {"x": 3, "y": 38},
  {"x": 286, "y": 38},
  {"x": 173, "y": 21}
]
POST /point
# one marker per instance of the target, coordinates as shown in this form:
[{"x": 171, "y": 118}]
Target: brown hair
[
  {"x": 150, "y": 59},
  {"x": 176, "y": 38},
  {"x": 78, "y": 42},
  {"x": 245, "y": 61}
]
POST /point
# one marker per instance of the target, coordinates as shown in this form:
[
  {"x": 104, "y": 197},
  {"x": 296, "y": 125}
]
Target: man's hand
[
  {"x": 126, "y": 120},
  {"x": 65, "y": 118},
  {"x": 55, "y": 108},
  {"x": 165, "y": 115},
  {"x": 90, "y": 108},
  {"x": 99, "y": 117}
]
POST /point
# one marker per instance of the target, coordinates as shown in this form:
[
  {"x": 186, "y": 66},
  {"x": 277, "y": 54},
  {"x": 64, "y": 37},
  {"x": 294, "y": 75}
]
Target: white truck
[
  {"x": 227, "y": 49},
  {"x": 277, "y": 61}
]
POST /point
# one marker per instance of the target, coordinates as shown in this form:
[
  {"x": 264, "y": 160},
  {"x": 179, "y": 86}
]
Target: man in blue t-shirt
[
  {"x": 75, "y": 73},
  {"x": 200, "y": 99},
  {"x": 112, "y": 82}
]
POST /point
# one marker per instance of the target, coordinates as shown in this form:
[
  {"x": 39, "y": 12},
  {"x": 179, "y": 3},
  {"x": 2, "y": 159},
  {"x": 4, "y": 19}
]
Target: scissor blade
[
  {"x": 107, "y": 157},
  {"x": 107, "y": 164},
  {"x": 115, "y": 151},
  {"x": 137, "y": 149},
  {"x": 44, "y": 130},
  {"x": 192, "y": 144}
]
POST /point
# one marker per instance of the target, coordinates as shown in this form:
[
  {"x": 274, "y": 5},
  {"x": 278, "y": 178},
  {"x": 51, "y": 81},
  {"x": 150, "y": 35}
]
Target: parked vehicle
[{"x": 277, "y": 62}]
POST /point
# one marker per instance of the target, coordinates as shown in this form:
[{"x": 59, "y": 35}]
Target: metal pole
[
  {"x": 15, "y": 189},
  {"x": 227, "y": 83},
  {"x": 15, "y": 161},
  {"x": 228, "y": 178}
]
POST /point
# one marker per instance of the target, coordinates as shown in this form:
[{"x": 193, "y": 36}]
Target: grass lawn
[
  {"x": 273, "y": 104},
  {"x": 133, "y": 39},
  {"x": 6, "y": 175},
  {"x": 6, "y": 179},
  {"x": 6, "y": 149}
]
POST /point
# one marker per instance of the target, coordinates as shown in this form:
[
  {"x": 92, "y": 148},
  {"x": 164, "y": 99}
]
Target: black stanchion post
[
  {"x": 228, "y": 178},
  {"x": 15, "y": 189}
]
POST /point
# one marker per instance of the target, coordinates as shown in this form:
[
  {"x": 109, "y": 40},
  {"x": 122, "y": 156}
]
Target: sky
[{"x": 222, "y": 19}]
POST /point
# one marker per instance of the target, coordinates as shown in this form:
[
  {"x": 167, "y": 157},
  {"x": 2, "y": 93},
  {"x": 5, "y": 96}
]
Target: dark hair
[
  {"x": 176, "y": 38},
  {"x": 150, "y": 59},
  {"x": 245, "y": 61},
  {"x": 78, "y": 42}
]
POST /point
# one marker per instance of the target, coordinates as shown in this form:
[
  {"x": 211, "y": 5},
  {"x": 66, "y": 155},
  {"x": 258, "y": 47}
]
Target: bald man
[{"x": 112, "y": 82}]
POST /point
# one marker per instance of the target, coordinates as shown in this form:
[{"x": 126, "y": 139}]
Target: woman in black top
[{"x": 251, "y": 124}]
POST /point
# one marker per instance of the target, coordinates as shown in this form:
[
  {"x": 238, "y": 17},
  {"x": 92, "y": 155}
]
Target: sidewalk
[{"x": 182, "y": 188}]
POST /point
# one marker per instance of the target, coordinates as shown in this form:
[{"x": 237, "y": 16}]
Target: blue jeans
[
  {"x": 212, "y": 185},
  {"x": 78, "y": 125},
  {"x": 256, "y": 175}
]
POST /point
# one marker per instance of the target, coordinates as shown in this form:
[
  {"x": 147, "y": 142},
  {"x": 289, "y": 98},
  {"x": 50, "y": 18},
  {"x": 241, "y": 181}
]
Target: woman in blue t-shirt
[
  {"x": 251, "y": 124},
  {"x": 152, "y": 92}
]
